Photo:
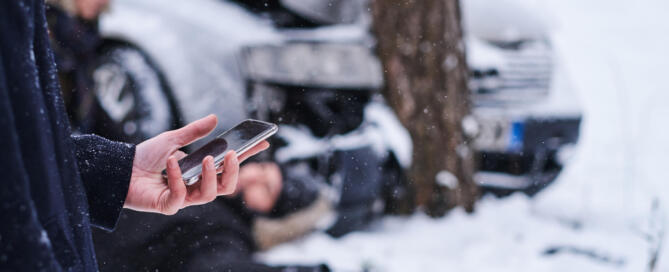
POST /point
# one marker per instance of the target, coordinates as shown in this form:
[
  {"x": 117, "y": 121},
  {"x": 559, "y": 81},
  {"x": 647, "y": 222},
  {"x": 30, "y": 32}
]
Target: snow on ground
[
  {"x": 503, "y": 235},
  {"x": 598, "y": 213}
]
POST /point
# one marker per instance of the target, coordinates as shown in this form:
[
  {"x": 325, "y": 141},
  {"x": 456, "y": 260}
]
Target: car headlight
[{"x": 313, "y": 65}]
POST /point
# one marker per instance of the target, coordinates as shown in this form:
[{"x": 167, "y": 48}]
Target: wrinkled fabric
[{"x": 45, "y": 197}]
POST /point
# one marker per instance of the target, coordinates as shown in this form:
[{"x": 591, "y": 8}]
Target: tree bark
[{"x": 421, "y": 47}]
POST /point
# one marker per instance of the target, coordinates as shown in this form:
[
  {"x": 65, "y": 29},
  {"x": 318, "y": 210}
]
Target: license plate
[
  {"x": 516, "y": 135},
  {"x": 500, "y": 135}
]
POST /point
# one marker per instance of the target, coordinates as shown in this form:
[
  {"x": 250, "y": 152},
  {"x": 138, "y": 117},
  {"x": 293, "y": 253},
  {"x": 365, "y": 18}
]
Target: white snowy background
[{"x": 600, "y": 208}]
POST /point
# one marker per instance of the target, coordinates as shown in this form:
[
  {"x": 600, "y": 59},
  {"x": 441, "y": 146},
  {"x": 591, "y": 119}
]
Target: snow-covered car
[
  {"x": 170, "y": 62},
  {"x": 528, "y": 114},
  {"x": 176, "y": 60}
]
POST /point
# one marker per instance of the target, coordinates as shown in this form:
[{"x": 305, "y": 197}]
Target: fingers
[
  {"x": 194, "y": 131},
  {"x": 208, "y": 184},
  {"x": 177, "y": 188},
  {"x": 228, "y": 180},
  {"x": 254, "y": 150}
]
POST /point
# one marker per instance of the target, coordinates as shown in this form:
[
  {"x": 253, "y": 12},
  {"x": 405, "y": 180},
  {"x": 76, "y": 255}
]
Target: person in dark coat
[
  {"x": 274, "y": 204},
  {"x": 55, "y": 186},
  {"x": 75, "y": 39}
]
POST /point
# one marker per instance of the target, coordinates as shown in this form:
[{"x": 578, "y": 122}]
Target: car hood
[{"x": 506, "y": 20}]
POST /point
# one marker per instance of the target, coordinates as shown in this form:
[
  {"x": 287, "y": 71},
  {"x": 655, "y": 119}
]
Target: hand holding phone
[
  {"x": 240, "y": 139},
  {"x": 148, "y": 190}
]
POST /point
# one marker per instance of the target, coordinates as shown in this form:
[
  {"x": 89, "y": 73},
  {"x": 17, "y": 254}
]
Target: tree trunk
[{"x": 423, "y": 56}]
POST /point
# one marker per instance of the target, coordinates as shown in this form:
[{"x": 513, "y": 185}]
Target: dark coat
[
  {"x": 54, "y": 186},
  {"x": 198, "y": 238},
  {"x": 212, "y": 237}
]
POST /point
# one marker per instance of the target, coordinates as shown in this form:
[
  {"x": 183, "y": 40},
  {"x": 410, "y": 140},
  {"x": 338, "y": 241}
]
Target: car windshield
[{"x": 277, "y": 13}]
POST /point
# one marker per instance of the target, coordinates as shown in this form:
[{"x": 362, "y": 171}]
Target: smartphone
[{"x": 240, "y": 138}]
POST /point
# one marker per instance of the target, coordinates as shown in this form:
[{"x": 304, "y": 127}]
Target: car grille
[{"x": 524, "y": 74}]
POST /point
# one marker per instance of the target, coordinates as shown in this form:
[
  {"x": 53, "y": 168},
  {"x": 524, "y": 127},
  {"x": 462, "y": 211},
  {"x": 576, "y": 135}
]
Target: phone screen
[
  {"x": 213, "y": 148},
  {"x": 240, "y": 135},
  {"x": 238, "y": 138}
]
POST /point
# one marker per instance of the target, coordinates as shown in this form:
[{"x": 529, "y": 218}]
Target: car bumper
[{"x": 536, "y": 151}]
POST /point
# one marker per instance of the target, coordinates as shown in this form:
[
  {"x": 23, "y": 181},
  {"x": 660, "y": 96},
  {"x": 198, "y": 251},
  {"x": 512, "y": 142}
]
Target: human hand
[
  {"x": 260, "y": 185},
  {"x": 150, "y": 192}
]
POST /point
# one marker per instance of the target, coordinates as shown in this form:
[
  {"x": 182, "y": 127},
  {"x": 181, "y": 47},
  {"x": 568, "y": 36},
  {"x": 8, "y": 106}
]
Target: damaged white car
[{"x": 170, "y": 62}]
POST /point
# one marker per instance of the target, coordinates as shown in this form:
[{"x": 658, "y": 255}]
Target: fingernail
[{"x": 172, "y": 161}]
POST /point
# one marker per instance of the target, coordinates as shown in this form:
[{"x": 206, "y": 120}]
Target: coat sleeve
[{"x": 105, "y": 167}]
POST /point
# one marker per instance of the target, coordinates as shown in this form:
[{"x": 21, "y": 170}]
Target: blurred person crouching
[
  {"x": 75, "y": 39},
  {"x": 336, "y": 191},
  {"x": 274, "y": 203}
]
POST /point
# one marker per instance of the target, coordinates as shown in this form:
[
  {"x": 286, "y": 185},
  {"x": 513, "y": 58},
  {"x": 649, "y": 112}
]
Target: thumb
[{"x": 195, "y": 130}]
